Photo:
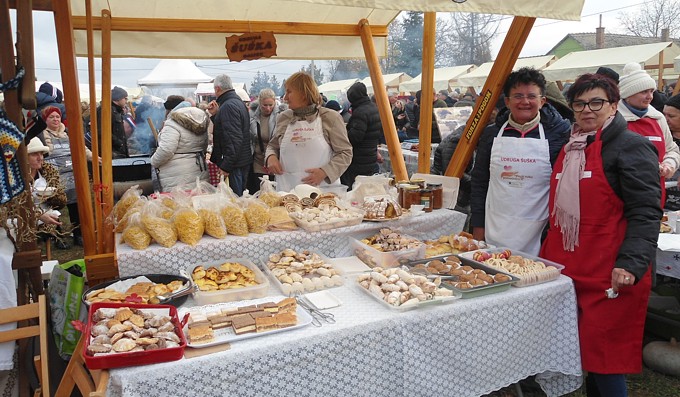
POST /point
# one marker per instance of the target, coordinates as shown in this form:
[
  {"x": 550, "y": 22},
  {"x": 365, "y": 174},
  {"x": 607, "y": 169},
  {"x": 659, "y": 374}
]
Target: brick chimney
[
  {"x": 599, "y": 38},
  {"x": 665, "y": 34}
]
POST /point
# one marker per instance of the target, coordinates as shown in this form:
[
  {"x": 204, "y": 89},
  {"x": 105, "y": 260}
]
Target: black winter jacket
[
  {"x": 557, "y": 131},
  {"x": 442, "y": 156},
  {"x": 231, "y": 133},
  {"x": 412, "y": 128},
  {"x": 631, "y": 166},
  {"x": 119, "y": 144},
  {"x": 364, "y": 129}
]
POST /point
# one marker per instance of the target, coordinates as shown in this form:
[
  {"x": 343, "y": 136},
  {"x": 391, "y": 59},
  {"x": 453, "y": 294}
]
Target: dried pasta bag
[
  {"x": 213, "y": 224},
  {"x": 134, "y": 234},
  {"x": 161, "y": 230},
  {"x": 189, "y": 225},
  {"x": 257, "y": 215},
  {"x": 267, "y": 192},
  {"x": 128, "y": 198},
  {"x": 234, "y": 219},
  {"x": 136, "y": 208}
]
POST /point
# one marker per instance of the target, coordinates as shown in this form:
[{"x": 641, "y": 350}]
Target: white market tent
[
  {"x": 444, "y": 78},
  {"x": 574, "y": 64},
  {"x": 175, "y": 72},
  {"x": 676, "y": 63},
  {"x": 336, "y": 89},
  {"x": 477, "y": 77},
  {"x": 392, "y": 81}
]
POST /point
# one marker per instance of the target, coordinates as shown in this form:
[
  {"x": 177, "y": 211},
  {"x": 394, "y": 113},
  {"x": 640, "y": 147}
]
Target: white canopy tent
[
  {"x": 676, "y": 63},
  {"x": 574, "y": 64},
  {"x": 175, "y": 72},
  {"x": 444, "y": 78},
  {"x": 477, "y": 77},
  {"x": 304, "y": 29},
  {"x": 392, "y": 81},
  {"x": 336, "y": 89}
]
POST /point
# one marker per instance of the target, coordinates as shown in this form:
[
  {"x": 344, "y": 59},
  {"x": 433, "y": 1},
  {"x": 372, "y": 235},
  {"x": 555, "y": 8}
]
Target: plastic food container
[
  {"x": 115, "y": 360},
  {"x": 553, "y": 270},
  {"x": 235, "y": 294},
  {"x": 479, "y": 290},
  {"x": 309, "y": 282},
  {"x": 317, "y": 227},
  {"x": 372, "y": 257}
]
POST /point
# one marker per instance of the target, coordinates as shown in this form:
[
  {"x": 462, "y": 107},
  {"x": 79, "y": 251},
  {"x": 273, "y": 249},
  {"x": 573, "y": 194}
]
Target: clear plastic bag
[
  {"x": 128, "y": 198},
  {"x": 189, "y": 225},
  {"x": 268, "y": 193},
  {"x": 234, "y": 219},
  {"x": 257, "y": 215},
  {"x": 134, "y": 234},
  {"x": 161, "y": 230}
]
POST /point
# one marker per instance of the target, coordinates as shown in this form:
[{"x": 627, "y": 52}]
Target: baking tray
[
  {"x": 115, "y": 360},
  {"x": 385, "y": 259},
  {"x": 155, "y": 278},
  {"x": 474, "y": 291},
  {"x": 290, "y": 290},
  {"x": 521, "y": 282},
  {"x": 227, "y": 335},
  {"x": 235, "y": 294}
]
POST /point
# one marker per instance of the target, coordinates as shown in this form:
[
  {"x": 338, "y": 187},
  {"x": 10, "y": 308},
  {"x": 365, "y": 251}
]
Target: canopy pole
[
  {"x": 661, "y": 67},
  {"x": 107, "y": 171},
  {"x": 69, "y": 78},
  {"x": 426, "y": 93},
  {"x": 94, "y": 130},
  {"x": 512, "y": 46},
  {"x": 389, "y": 128}
]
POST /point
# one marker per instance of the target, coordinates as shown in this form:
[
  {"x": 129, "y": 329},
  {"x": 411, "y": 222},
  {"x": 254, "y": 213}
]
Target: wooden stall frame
[{"x": 426, "y": 93}]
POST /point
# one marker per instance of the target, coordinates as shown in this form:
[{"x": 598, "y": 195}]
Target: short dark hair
[
  {"x": 524, "y": 76},
  {"x": 590, "y": 81}
]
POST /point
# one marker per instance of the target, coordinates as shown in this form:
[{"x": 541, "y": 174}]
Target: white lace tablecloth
[
  {"x": 466, "y": 348},
  {"x": 332, "y": 243}
]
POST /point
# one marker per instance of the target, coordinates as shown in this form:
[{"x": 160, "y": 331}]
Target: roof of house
[{"x": 611, "y": 40}]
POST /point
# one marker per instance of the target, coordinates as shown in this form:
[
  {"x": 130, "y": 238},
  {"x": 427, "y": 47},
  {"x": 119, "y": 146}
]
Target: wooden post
[
  {"x": 69, "y": 78},
  {"x": 512, "y": 46},
  {"x": 25, "y": 52},
  {"x": 661, "y": 67},
  {"x": 94, "y": 130},
  {"x": 389, "y": 129},
  {"x": 426, "y": 94},
  {"x": 107, "y": 156}
]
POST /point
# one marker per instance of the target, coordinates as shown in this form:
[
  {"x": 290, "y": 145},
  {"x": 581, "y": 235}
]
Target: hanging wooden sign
[{"x": 251, "y": 46}]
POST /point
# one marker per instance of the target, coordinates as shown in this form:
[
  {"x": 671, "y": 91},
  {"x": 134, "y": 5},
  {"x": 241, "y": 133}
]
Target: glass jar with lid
[
  {"x": 437, "y": 195},
  {"x": 426, "y": 199}
]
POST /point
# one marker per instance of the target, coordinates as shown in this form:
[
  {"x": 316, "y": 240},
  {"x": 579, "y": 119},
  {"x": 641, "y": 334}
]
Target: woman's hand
[
  {"x": 50, "y": 218},
  {"x": 274, "y": 165},
  {"x": 314, "y": 176},
  {"x": 666, "y": 170},
  {"x": 621, "y": 278}
]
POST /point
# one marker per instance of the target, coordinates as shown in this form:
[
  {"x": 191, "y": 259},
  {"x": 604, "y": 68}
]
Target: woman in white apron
[
  {"x": 310, "y": 144},
  {"x": 511, "y": 177}
]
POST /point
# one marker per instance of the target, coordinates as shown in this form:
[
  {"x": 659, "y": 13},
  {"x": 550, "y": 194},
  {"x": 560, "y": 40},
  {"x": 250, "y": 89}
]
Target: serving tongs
[
  {"x": 318, "y": 317},
  {"x": 176, "y": 294}
]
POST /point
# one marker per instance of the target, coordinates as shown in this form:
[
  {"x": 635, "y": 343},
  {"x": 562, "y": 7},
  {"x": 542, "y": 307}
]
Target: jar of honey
[
  {"x": 411, "y": 196},
  {"x": 437, "y": 195},
  {"x": 419, "y": 182},
  {"x": 426, "y": 199}
]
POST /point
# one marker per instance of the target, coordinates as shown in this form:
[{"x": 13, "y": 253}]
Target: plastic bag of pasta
[
  {"x": 128, "y": 198},
  {"x": 161, "y": 230},
  {"x": 208, "y": 208},
  {"x": 135, "y": 208},
  {"x": 134, "y": 234},
  {"x": 189, "y": 225},
  {"x": 267, "y": 192},
  {"x": 234, "y": 219},
  {"x": 257, "y": 215}
]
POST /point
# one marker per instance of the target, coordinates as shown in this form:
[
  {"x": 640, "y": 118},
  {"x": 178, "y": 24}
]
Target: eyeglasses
[
  {"x": 594, "y": 105},
  {"x": 530, "y": 97}
]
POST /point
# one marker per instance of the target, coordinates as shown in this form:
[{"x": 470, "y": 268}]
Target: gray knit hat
[{"x": 118, "y": 93}]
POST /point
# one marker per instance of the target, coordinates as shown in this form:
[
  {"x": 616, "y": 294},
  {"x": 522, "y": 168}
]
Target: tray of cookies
[
  {"x": 211, "y": 325},
  {"x": 467, "y": 278},
  {"x": 124, "y": 334},
  {"x": 301, "y": 271},
  {"x": 529, "y": 269},
  {"x": 140, "y": 289},
  {"x": 386, "y": 248},
  {"x": 227, "y": 280}
]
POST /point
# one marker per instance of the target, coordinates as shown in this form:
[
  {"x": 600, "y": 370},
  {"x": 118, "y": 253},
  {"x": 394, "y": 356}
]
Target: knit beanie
[
  {"x": 609, "y": 72},
  {"x": 333, "y": 105},
  {"x": 118, "y": 93},
  {"x": 47, "y": 111},
  {"x": 674, "y": 101},
  {"x": 634, "y": 80},
  {"x": 171, "y": 101}
]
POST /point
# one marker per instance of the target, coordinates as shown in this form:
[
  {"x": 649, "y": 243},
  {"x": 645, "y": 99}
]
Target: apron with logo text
[{"x": 519, "y": 185}]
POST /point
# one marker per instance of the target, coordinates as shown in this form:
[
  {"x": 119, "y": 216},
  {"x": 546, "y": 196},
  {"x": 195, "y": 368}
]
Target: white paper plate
[
  {"x": 323, "y": 300},
  {"x": 349, "y": 264}
]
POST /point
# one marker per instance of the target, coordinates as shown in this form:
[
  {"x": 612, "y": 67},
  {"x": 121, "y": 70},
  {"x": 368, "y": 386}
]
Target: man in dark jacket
[
  {"x": 363, "y": 130},
  {"x": 119, "y": 145},
  {"x": 231, "y": 134},
  {"x": 413, "y": 126}
]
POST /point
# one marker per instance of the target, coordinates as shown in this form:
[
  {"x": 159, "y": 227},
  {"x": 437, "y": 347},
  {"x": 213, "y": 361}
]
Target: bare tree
[
  {"x": 473, "y": 34},
  {"x": 651, "y": 17}
]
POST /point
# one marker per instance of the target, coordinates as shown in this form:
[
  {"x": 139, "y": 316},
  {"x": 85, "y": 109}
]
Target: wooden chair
[
  {"x": 90, "y": 383},
  {"x": 20, "y": 315}
]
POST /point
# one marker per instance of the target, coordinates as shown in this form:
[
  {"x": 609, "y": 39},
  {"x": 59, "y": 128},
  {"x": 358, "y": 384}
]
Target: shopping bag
[{"x": 65, "y": 292}]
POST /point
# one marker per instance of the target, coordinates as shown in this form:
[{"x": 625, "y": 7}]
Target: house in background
[{"x": 593, "y": 41}]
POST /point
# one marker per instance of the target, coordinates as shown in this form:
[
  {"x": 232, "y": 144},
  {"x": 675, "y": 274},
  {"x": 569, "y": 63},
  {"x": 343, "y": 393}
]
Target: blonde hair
[
  {"x": 304, "y": 83},
  {"x": 266, "y": 93}
]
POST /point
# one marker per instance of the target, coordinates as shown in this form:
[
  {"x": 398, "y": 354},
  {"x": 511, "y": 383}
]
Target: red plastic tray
[{"x": 135, "y": 358}]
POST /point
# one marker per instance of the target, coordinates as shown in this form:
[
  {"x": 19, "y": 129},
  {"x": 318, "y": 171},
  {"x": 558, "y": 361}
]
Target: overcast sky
[{"x": 545, "y": 35}]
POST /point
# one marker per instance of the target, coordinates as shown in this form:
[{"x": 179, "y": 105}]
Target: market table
[
  {"x": 668, "y": 255},
  {"x": 332, "y": 243},
  {"x": 469, "y": 347}
]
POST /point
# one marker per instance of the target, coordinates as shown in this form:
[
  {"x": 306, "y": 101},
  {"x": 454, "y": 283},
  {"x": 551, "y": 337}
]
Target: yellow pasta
[
  {"x": 123, "y": 223},
  {"x": 136, "y": 237},
  {"x": 235, "y": 220},
  {"x": 169, "y": 202},
  {"x": 122, "y": 206},
  {"x": 213, "y": 223},
  {"x": 272, "y": 199},
  {"x": 160, "y": 229},
  {"x": 189, "y": 226},
  {"x": 257, "y": 217}
]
